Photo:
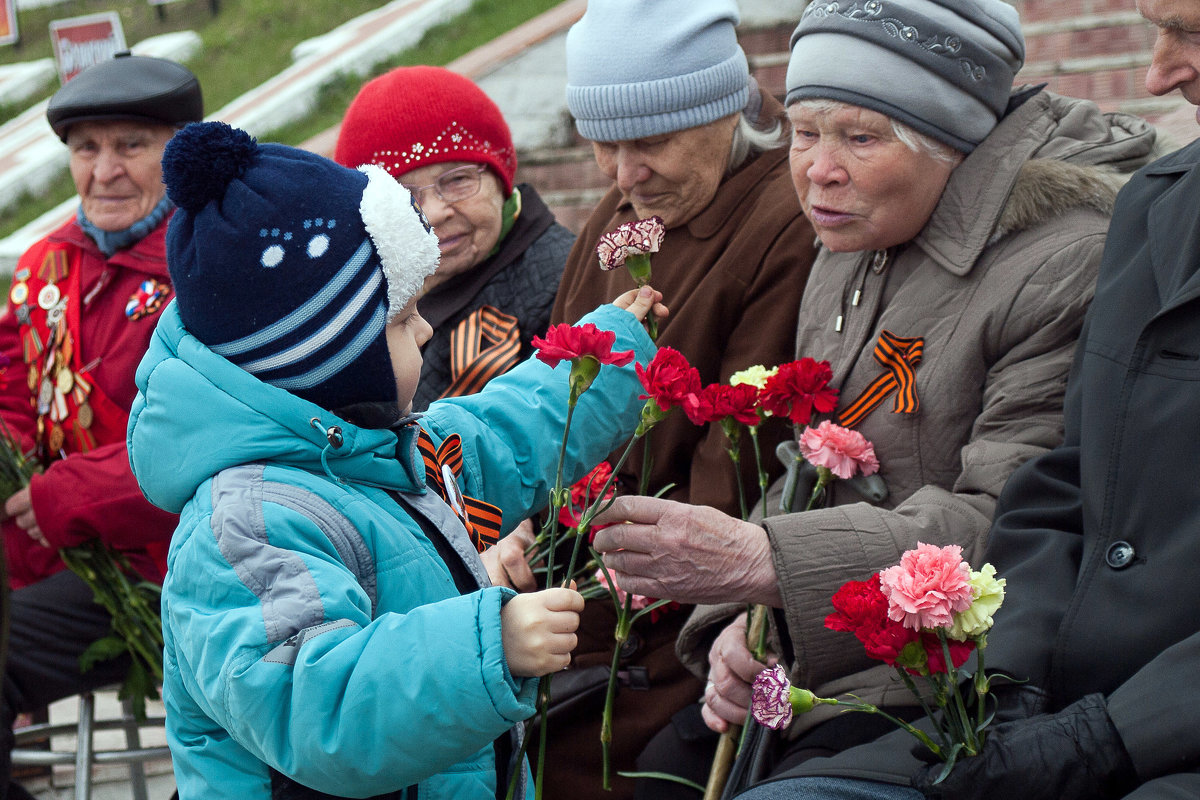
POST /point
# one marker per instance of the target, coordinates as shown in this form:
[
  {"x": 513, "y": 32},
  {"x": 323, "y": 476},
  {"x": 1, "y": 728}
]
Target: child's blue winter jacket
[{"x": 312, "y": 629}]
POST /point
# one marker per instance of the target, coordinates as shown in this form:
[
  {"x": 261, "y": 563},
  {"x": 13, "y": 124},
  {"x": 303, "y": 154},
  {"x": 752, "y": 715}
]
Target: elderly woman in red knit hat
[{"x": 502, "y": 253}]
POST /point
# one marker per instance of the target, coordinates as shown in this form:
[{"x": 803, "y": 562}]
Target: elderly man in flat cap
[{"x": 81, "y": 310}]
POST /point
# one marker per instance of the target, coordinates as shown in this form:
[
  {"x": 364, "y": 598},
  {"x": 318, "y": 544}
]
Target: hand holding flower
[
  {"x": 642, "y": 302},
  {"x": 19, "y": 508},
  {"x": 538, "y": 631},
  {"x": 693, "y": 554},
  {"x": 732, "y": 669}
]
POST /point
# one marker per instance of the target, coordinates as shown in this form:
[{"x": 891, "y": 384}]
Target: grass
[{"x": 246, "y": 43}]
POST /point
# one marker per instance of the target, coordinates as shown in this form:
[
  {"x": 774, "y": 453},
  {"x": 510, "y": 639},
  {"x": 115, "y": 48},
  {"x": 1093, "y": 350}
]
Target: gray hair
[
  {"x": 912, "y": 139},
  {"x": 749, "y": 141}
]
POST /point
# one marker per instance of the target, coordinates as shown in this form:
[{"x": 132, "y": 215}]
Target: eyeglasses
[{"x": 452, "y": 185}]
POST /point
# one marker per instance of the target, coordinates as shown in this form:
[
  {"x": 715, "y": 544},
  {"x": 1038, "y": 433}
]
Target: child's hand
[
  {"x": 538, "y": 631},
  {"x": 640, "y": 302},
  {"x": 505, "y": 560}
]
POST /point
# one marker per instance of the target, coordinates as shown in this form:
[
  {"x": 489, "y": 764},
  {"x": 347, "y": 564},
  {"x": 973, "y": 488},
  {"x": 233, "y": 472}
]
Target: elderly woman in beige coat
[{"x": 953, "y": 212}]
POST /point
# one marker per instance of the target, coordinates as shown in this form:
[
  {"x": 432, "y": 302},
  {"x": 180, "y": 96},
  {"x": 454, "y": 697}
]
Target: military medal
[
  {"x": 48, "y": 296},
  {"x": 65, "y": 380},
  {"x": 84, "y": 416},
  {"x": 45, "y": 395},
  {"x": 147, "y": 299},
  {"x": 19, "y": 293},
  {"x": 56, "y": 438}
]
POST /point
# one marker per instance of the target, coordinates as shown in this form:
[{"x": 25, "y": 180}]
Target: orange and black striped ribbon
[
  {"x": 482, "y": 520},
  {"x": 898, "y": 356},
  {"x": 485, "y": 344}
]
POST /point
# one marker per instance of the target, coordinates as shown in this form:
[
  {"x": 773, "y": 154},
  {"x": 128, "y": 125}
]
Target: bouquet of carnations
[{"x": 925, "y": 617}]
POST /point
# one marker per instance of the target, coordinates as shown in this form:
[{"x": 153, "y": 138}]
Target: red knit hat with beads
[{"x": 411, "y": 117}]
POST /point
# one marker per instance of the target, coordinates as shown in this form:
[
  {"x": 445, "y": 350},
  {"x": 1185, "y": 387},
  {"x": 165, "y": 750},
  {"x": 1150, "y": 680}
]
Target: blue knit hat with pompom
[{"x": 290, "y": 265}]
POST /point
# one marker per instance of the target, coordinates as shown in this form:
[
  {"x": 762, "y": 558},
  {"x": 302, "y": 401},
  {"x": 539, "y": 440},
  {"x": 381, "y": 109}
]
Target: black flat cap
[{"x": 131, "y": 87}]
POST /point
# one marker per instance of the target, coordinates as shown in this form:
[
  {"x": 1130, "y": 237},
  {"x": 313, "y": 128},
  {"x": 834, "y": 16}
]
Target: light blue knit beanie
[{"x": 638, "y": 68}]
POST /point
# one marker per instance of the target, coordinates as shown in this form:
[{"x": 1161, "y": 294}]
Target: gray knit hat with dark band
[
  {"x": 943, "y": 67},
  {"x": 638, "y": 68}
]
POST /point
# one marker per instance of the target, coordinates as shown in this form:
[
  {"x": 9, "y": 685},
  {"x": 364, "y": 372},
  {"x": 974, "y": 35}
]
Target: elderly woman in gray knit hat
[
  {"x": 961, "y": 224},
  {"x": 663, "y": 91}
]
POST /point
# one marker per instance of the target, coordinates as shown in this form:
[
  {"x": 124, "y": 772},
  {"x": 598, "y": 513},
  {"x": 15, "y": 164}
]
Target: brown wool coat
[
  {"x": 732, "y": 277},
  {"x": 997, "y": 284}
]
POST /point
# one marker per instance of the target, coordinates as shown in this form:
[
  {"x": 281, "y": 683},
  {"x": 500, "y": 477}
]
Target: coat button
[
  {"x": 1119, "y": 555},
  {"x": 631, "y": 646}
]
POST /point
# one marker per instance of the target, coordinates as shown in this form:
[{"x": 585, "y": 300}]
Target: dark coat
[
  {"x": 732, "y": 276},
  {"x": 1097, "y": 538}
]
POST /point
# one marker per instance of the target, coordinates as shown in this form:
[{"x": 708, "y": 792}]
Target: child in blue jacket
[{"x": 330, "y": 627}]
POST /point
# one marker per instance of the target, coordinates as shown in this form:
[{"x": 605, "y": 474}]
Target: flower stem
[
  {"x": 596, "y": 506},
  {"x": 756, "y": 631},
  {"x": 620, "y": 636},
  {"x": 762, "y": 473},
  {"x": 824, "y": 477},
  {"x": 929, "y": 711},
  {"x": 735, "y": 455},
  {"x": 872, "y": 709},
  {"x": 647, "y": 463},
  {"x": 544, "y": 712}
]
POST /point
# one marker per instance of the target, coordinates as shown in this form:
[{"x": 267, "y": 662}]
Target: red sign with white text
[
  {"x": 80, "y": 42},
  {"x": 8, "y": 21}
]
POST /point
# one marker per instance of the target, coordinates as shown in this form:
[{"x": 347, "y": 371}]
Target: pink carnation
[
  {"x": 640, "y": 237},
  {"x": 638, "y": 601},
  {"x": 927, "y": 587},
  {"x": 843, "y": 451},
  {"x": 770, "y": 699}
]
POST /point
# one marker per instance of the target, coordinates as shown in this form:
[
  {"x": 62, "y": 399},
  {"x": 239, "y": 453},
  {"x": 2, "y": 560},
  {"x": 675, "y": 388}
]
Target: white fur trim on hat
[{"x": 405, "y": 241}]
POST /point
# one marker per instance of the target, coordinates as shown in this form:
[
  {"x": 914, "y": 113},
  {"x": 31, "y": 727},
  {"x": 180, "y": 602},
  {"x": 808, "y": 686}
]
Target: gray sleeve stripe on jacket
[
  {"x": 285, "y": 653},
  {"x": 342, "y": 534},
  {"x": 279, "y": 578}
]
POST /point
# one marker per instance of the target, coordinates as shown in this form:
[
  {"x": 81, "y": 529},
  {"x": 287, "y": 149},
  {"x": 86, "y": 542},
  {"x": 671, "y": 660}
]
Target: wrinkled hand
[
  {"x": 538, "y": 631},
  {"x": 731, "y": 672},
  {"x": 692, "y": 554},
  {"x": 640, "y": 302},
  {"x": 505, "y": 561},
  {"x": 19, "y": 508},
  {"x": 1071, "y": 755}
]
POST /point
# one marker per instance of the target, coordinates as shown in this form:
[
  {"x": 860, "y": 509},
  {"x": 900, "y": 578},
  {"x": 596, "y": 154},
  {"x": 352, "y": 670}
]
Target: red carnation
[
  {"x": 571, "y": 342},
  {"x": 887, "y": 642},
  {"x": 668, "y": 379},
  {"x": 959, "y": 651},
  {"x": 718, "y": 402},
  {"x": 583, "y": 492},
  {"x": 858, "y": 605},
  {"x": 799, "y": 388}
]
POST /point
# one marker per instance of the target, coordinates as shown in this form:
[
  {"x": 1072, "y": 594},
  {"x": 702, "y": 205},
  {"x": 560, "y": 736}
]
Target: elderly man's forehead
[
  {"x": 1171, "y": 14},
  {"x": 114, "y": 129}
]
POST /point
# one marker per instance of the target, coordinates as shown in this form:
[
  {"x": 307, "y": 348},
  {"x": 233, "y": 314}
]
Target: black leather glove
[{"x": 1075, "y": 753}]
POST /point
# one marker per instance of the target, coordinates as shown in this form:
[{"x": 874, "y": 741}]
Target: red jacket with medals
[{"x": 74, "y": 332}]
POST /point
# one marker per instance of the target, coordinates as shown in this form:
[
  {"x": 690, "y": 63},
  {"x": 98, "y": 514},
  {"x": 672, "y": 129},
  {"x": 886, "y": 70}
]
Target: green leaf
[
  {"x": 104, "y": 649},
  {"x": 137, "y": 688},
  {"x": 951, "y": 760},
  {"x": 664, "y": 776}
]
